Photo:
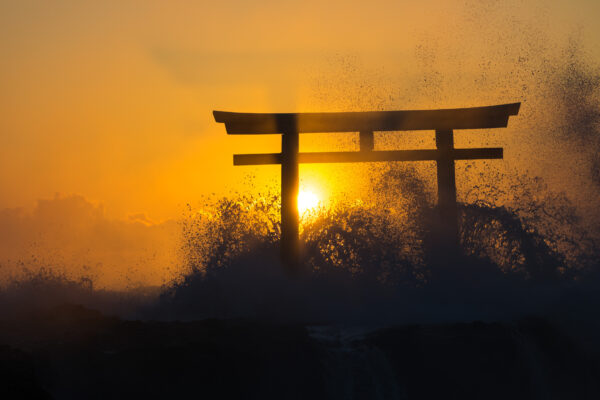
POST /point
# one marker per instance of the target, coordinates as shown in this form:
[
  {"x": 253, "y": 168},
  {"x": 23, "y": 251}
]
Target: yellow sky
[{"x": 112, "y": 100}]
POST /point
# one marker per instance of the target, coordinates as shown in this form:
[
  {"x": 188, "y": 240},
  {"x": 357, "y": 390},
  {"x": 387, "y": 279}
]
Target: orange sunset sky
[
  {"x": 112, "y": 100},
  {"x": 106, "y": 107}
]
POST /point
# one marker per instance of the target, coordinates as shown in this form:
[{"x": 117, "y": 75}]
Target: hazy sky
[{"x": 112, "y": 100}]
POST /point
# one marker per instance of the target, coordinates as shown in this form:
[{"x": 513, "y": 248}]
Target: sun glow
[{"x": 307, "y": 201}]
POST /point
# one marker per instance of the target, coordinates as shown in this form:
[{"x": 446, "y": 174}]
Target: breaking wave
[
  {"x": 373, "y": 261},
  {"x": 364, "y": 262}
]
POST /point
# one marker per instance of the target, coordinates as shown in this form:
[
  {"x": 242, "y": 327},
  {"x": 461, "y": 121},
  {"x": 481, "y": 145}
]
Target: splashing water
[{"x": 366, "y": 262}]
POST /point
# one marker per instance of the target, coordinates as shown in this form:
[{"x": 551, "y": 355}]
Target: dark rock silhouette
[{"x": 71, "y": 352}]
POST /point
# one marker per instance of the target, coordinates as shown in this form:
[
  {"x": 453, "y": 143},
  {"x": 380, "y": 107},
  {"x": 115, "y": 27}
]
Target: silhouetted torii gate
[{"x": 290, "y": 125}]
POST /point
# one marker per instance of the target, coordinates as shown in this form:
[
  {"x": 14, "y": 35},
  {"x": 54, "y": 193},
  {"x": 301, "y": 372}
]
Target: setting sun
[{"x": 307, "y": 200}]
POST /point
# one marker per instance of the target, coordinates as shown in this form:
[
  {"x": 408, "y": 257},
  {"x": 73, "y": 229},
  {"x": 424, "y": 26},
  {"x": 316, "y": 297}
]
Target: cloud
[{"x": 72, "y": 235}]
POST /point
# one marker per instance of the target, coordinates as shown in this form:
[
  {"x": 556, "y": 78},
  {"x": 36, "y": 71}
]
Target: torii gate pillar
[
  {"x": 446, "y": 178},
  {"x": 290, "y": 236}
]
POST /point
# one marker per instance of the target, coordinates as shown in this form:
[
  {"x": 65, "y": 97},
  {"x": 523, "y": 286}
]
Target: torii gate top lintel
[
  {"x": 405, "y": 120},
  {"x": 291, "y": 125}
]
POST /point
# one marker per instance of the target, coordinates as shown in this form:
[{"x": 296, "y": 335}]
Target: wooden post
[
  {"x": 367, "y": 141},
  {"x": 444, "y": 140},
  {"x": 290, "y": 144}
]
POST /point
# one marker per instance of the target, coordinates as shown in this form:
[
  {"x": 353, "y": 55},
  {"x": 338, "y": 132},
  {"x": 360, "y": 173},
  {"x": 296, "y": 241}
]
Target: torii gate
[{"x": 290, "y": 125}]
